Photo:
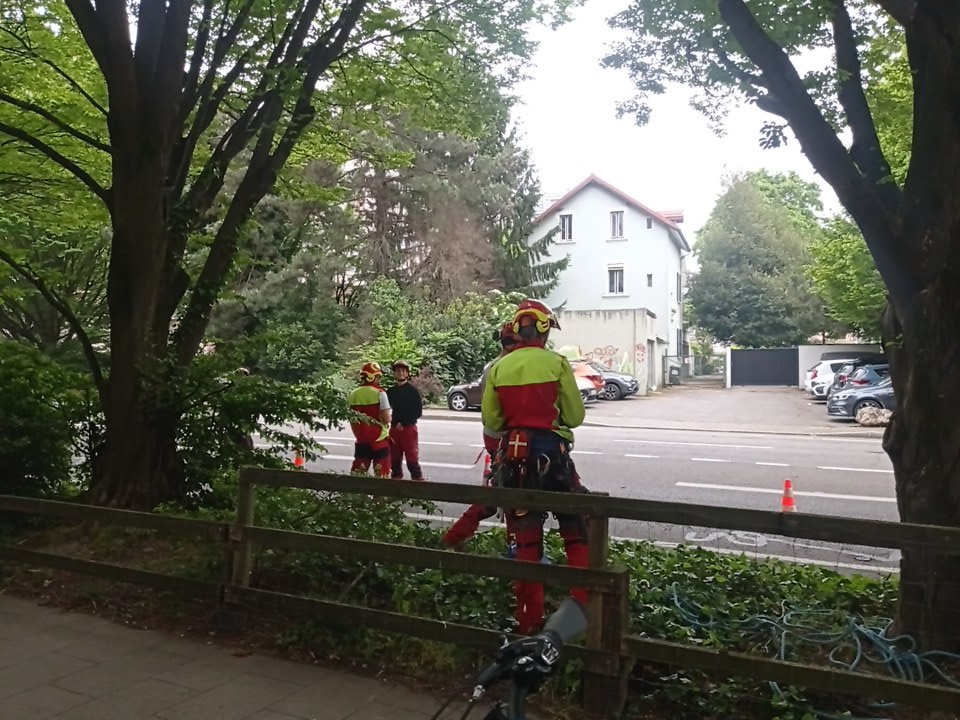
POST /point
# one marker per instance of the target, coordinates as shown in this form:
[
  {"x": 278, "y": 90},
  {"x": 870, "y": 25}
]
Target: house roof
[{"x": 669, "y": 218}]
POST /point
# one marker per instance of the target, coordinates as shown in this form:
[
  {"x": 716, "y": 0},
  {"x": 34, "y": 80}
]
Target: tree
[
  {"x": 845, "y": 278},
  {"x": 729, "y": 50},
  {"x": 205, "y": 87},
  {"x": 750, "y": 289}
]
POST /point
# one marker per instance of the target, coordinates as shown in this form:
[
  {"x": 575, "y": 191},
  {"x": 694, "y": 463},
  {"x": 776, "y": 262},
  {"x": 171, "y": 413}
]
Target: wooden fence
[{"x": 609, "y": 651}]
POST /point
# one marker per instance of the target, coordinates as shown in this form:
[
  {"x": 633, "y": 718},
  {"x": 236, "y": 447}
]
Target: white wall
[
  {"x": 617, "y": 339},
  {"x": 641, "y": 252},
  {"x": 809, "y": 355}
]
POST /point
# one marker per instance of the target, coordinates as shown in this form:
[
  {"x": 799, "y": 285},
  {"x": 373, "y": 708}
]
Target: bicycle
[{"x": 527, "y": 662}]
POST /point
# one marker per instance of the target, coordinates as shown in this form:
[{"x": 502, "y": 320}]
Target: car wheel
[
  {"x": 612, "y": 391},
  {"x": 866, "y": 404},
  {"x": 457, "y": 401}
]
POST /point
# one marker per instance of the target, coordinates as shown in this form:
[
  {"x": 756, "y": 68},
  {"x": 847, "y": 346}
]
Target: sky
[{"x": 568, "y": 119}]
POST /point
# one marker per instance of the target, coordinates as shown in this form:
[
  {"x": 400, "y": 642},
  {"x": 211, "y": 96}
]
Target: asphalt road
[{"x": 845, "y": 477}]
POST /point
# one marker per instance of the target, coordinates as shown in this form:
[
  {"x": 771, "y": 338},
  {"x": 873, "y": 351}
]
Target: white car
[
  {"x": 820, "y": 377},
  {"x": 588, "y": 391}
]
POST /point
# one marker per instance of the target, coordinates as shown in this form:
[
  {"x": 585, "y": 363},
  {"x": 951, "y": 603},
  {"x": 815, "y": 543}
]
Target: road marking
[
  {"x": 708, "y": 460},
  {"x": 424, "y": 442},
  {"x": 643, "y": 456},
  {"x": 716, "y": 445},
  {"x": 773, "y": 491},
  {"x": 673, "y": 546},
  {"x": 452, "y": 466},
  {"x": 846, "y": 469},
  {"x": 586, "y": 452},
  {"x": 772, "y": 464}
]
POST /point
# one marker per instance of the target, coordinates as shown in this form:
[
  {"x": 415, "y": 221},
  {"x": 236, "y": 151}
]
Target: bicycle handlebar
[{"x": 531, "y": 660}]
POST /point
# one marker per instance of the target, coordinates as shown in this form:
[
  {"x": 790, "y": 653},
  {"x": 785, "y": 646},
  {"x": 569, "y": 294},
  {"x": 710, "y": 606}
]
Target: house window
[
  {"x": 679, "y": 341},
  {"x": 649, "y": 280},
  {"x": 679, "y": 287},
  {"x": 616, "y": 224},
  {"x": 649, "y": 223},
  {"x": 615, "y": 280},
  {"x": 566, "y": 227}
]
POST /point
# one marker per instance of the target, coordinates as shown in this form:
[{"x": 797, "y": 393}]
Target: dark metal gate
[{"x": 765, "y": 366}]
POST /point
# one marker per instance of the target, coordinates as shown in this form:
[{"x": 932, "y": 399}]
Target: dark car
[
  {"x": 844, "y": 373},
  {"x": 847, "y": 402},
  {"x": 464, "y": 397},
  {"x": 616, "y": 385}
]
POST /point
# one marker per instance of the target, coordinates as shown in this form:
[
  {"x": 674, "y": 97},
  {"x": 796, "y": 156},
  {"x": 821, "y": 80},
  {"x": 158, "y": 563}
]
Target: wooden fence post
[
  {"x": 243, "y": 552},
  {"x": 605, "y": 679}
]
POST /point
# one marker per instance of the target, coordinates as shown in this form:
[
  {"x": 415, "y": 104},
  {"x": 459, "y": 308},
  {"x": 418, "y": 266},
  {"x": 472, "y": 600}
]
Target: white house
[{"x": 621, "y": 294}]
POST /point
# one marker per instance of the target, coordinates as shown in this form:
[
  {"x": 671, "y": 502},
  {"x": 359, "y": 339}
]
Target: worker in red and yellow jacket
[
  {"x": 372, "y": 433},
  {"x": 532, "y": 395}
]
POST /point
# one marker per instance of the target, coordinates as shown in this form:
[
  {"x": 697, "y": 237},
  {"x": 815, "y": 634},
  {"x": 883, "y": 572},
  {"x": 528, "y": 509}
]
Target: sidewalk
[{"x": 72, "y": 666}]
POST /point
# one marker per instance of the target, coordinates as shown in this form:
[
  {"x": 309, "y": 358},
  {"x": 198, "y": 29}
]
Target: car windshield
[{"x": 596, "y": 366}]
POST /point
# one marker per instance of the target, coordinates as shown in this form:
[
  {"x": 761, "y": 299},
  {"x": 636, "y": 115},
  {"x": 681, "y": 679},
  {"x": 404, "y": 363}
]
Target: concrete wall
[
  {"x": 809, "y": 355},
  {"x": 642, "y": 251},
  {"x": 622, "y": 340}
]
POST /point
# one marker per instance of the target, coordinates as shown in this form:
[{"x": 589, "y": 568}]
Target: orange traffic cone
[
  {"x": 298, "y": 460},
  {"x": 787, "y": 504},
  {"x": 486, "y": 469}
]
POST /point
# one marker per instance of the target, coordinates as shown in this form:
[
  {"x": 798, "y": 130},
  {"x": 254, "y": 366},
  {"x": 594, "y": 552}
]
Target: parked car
[
  {"x": 585, "y": 369},
  {"x": 820, "y": 377},
  {"x": 847, "y": 402},
  {"x": 465, "y": 396},
  {"x": 844, "y": 373},
  {"x": 588, "y": 390},
  {"x": 616, "y": 385},
  {"x": 867, "y": 375}
]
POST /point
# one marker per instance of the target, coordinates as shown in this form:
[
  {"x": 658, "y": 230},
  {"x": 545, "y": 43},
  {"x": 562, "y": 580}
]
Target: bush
[{"x": 42, "y": 406}]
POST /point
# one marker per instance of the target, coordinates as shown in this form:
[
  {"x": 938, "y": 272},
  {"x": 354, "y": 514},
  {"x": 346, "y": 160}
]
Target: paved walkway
[{"x": 72, "y": 666}]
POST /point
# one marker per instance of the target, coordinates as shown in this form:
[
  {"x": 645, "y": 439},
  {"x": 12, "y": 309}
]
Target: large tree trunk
[{"x": 923, "y": 442}]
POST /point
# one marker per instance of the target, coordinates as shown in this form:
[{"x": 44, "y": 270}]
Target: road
[{"x": 848, "y": 477}]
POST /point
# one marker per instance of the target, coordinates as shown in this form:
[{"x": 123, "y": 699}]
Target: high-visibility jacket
[
  {"x": 532, "y": 388},
  {"x": 369, "y": 400}
]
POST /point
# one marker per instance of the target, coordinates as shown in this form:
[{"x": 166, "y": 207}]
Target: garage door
[{"x": 764, "y": 366}]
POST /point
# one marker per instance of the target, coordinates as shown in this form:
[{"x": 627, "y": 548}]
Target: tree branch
[
  {"x": 57, "y": 122},
  {"x": 92, "y": 31},
  {"x": 829, "y": 157},
  {"x": 901, "y": 10},
  {"x": 865, "y": 149},
  {"x": 64, "y": 162},
  {"x": 61, "y": 307}
]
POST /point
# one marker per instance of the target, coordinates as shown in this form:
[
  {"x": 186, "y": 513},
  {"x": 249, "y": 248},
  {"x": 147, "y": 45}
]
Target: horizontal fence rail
[
  {"x": 610, "y": 651},
  {"x": 851, "y": 531}
]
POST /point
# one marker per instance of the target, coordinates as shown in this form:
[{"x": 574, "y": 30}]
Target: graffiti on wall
[
  {"x": 606, "y": 355},
  {"x": 640, "y": 353}
]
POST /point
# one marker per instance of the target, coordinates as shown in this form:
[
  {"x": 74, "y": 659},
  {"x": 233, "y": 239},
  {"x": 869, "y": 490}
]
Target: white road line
[
  {"x": 453, "y": 466},
  {"x": 424, "y": 442},
  {"x": 846, "y": 469},
  {"x": 773, "y": 491},
  {"x": 769, "y": 464},
  {"x": 652, "y": 457},
  {"x": 586, "y": 452},
  {"x": 673, "y": 546},
  {"x": 677, "y": 442},
  {"x": 716, "y": 460}
]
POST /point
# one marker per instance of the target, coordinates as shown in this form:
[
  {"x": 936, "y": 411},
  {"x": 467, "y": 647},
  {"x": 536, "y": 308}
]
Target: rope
[{"x": 868, "y": 644}]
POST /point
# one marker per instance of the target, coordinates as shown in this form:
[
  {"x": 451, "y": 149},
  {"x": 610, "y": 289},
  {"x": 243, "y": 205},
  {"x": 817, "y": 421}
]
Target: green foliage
[
  {"x": 454, "y": 341},
  {"x": 845, "y": 277},
  {"x": 42, "y": 407},
  {"x": 751, "y": 289}
]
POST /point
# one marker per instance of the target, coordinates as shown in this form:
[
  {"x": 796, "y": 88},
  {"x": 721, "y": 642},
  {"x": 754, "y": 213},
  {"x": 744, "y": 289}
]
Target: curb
[{"x": 869, "y": 434}]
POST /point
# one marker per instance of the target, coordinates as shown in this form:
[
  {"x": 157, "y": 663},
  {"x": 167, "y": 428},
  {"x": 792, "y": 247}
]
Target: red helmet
[
  {"x": 370, "y": 372},
  {"x": 538, "y": 313},
  {"x": 507, "y": 335}
]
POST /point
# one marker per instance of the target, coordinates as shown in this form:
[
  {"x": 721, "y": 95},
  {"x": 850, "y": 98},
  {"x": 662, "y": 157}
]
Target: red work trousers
[
  {"x": 526, "y": 530},
  {"x": 405, "y": 442},
  {"x": 376, "y": 453}
]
